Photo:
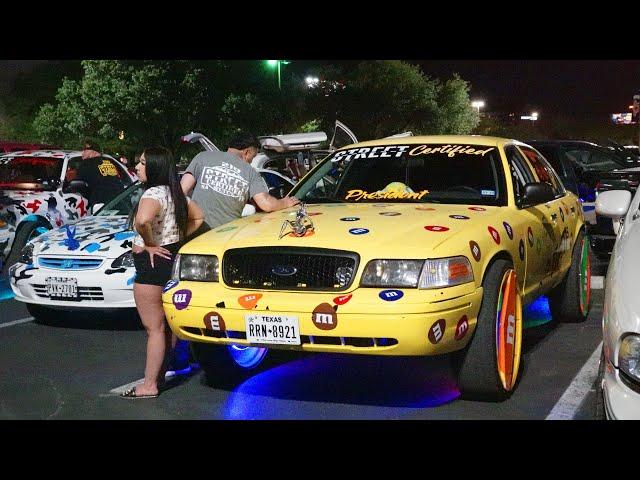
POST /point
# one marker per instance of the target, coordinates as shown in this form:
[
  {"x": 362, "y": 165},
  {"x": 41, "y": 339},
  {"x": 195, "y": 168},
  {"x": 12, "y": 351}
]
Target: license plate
[
  {"x": 62, "y": 287},
  {"x": 273, "y": 328}
]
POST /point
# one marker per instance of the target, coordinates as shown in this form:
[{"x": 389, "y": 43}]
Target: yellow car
[{"x": 402, "y": 246}]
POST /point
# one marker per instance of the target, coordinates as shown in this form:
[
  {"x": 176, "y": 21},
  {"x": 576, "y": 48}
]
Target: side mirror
[
  {"x": 96, "y": 207},
  {"x": 77, "y": 186},
  {"x": 613, "y": 203},
  {"x": 536, "y": 193}
]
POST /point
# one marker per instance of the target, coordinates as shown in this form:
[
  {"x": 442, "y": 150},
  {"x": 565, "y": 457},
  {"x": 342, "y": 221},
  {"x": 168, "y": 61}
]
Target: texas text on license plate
[
  {"x": 62, "y": 287},
  {"x": 273, "y": 328}
]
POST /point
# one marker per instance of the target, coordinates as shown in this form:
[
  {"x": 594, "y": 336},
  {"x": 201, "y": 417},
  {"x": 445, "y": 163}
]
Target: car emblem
[
  {"x": 284, "y": 270},
  {"x": 67, "y": 264}
]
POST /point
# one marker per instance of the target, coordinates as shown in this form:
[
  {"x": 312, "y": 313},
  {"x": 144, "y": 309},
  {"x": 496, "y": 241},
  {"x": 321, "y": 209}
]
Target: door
[
  {"x": 557, "y": 220},
  {"x": 342, "y": 136}
]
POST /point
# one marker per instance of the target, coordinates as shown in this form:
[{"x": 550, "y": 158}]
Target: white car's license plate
[
  {"x": 62, "y": 287},
  {"x": 272, "y": 328}
]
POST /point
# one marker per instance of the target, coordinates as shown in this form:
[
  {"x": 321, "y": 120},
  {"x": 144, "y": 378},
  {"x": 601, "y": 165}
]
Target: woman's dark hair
[{"x": 161, "y": 170}]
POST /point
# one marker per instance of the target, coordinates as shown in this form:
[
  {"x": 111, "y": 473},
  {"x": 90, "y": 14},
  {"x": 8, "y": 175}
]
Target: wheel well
[{"x": 501, "y": 255}]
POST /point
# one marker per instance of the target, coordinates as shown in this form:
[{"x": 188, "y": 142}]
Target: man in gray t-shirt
[{"x": 223, "y": 182}]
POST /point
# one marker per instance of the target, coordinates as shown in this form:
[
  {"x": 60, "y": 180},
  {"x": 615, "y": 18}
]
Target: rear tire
[
  {"x": 571, "y": 299},
  {"x": 488, "y": 368}
]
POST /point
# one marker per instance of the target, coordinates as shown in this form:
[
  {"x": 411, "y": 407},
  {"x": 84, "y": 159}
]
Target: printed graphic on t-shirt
[{"x": 226, "y": 180}]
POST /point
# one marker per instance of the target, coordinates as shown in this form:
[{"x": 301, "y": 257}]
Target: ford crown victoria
[{"x": 402, "y": 246}]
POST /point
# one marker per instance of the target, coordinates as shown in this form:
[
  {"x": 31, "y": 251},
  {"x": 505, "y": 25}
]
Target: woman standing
[{"x": 163, "y": 219}]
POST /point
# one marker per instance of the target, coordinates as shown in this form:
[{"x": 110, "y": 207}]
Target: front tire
[
  {"x": 231, "y": 362},
  {"x": 40, "y": 313},
  {"x": 570, "y": 301},
  {"x": 489, "y": 366}
]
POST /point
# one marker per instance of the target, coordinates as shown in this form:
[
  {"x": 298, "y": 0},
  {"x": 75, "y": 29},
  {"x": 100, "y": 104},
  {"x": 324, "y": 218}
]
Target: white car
[
  {"x": 45, "y": 189},
  {"x": 619, "y": 379},
  {"x": 87, "y": 265}
]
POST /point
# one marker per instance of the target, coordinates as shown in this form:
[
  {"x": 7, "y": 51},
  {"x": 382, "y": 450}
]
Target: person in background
[
  {"x": 163, "y": 219},
  {"x": 90, "y": 150},
  {"x": 223, "y": 182}
]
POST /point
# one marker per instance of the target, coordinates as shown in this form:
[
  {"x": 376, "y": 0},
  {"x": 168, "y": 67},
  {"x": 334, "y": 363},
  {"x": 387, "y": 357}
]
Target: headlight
[
  {"x": 629, "y": 356},
  {"x": 201, "y": 268},
  {"x": 445, "y": 272},
  {"x": 123, "y": 261},
  {"x": 26, "y": 254},
  {"x": 392, "y": 273}
]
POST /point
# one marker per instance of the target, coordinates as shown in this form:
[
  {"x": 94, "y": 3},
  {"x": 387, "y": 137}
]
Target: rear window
[{"x": 29, "y": 172}]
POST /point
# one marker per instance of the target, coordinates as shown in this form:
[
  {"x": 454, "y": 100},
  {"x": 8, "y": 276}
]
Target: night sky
[{"x": 549, "y": 86}]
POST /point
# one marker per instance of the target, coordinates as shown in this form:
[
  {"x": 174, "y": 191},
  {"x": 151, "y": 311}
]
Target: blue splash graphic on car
[{"x": 70, "y": 241}]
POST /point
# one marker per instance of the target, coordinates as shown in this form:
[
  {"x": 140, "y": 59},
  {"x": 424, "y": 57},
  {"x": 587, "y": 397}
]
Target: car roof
[
  {"x": 49, "y": 153},
  {"x": 457, "y": 139}
]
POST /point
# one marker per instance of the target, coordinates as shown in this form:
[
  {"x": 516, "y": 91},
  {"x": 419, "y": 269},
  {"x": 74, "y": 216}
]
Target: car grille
[
  {"x": 84, "y": 293},
  {"x": 66, "y": 263},
  {"x": 289, "y": 268}
]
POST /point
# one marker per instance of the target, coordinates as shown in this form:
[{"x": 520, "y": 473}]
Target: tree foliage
[{"x": 155, "y": 102}]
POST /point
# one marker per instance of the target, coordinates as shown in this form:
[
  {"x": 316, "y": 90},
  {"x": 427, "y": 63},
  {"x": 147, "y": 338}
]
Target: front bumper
[
  {"x": 97, "y": 289},
  {"x": 621, "y": 402},
  {"x": 365, "y": 325}
]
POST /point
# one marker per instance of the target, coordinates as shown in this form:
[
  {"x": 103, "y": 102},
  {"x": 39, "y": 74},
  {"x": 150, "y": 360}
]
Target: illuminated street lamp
[
  {"x": 478, "y": 104},
  {"x": 277, "y": 63},
  {"x": 312, "y": 81}
]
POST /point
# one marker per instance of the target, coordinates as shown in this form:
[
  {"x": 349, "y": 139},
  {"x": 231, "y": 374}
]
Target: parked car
[
  {"x": 403, "y": 246},
  {"x": 597, "y": 168},
  {"x": 45, "y": 189},
  {"x": 619, "y": 376},
  {"x": 85, "y": 266},
  {"x": 9, "y": 147}
]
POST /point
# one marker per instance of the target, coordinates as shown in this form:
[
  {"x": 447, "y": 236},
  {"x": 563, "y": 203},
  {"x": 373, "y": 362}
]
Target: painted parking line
[
  {"x": 573, "y": 396},
  {"x": 597, "y": 282},
  {"x": 17, "y": 322}
]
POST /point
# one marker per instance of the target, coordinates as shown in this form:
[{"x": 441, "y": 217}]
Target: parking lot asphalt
[{"x": 71, "y": 367}]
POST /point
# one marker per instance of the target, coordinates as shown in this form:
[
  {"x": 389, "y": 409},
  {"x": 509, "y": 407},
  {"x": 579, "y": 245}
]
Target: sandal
[{"x": 131, "y": 393}]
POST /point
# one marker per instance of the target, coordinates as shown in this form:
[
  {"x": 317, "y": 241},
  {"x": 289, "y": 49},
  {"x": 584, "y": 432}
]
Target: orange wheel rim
[{"x": 508, "y": 330}]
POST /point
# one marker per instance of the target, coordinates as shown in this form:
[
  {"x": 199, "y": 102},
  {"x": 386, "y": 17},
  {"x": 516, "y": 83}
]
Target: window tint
[
  {"x": 543, "y": 170},
  {"x": 598, "y": 160},
  {"x": 520, "y": 172}
]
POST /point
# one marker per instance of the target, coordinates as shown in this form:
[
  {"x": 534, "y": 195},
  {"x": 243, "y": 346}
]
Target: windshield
[
  {"x": 123, "y": 204},
  {"x": 426, "y": 173},
  {"x": 30, "y": 172}
]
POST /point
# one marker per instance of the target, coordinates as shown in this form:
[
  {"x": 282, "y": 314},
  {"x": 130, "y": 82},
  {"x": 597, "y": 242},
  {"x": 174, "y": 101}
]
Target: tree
[{"x": 380, "y": 98}]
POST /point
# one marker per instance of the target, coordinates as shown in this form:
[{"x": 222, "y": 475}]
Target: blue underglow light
[
  {"x": 537, "y": 313},
  {"x": 343, "y": 387},
  {"x": 5, "y": 291},
  {"x": 247, "y": 357}
]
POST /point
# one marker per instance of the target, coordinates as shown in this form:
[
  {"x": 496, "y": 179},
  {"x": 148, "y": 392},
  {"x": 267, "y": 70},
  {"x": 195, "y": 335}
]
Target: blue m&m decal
[
  {"x": 358, "y": 231},
  {"x": 391, "y": 295}
]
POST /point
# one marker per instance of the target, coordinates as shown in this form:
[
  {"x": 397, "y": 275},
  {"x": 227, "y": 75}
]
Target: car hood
[
  {"x": 398, "y": 230},
  {"x": 96, "y": 236}
]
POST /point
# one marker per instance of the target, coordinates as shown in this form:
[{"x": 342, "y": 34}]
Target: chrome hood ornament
[{"x": 298, "y": 227}]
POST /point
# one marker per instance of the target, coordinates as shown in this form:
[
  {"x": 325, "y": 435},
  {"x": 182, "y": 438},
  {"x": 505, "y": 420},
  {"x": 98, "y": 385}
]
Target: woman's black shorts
[{"x": 161, "y": 272}]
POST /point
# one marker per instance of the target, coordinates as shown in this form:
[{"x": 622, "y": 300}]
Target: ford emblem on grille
[{"x": 284, "y": 270}]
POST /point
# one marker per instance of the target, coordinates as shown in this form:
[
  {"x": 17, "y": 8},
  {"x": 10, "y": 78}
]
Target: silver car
[{"x": 619, "y": 379}]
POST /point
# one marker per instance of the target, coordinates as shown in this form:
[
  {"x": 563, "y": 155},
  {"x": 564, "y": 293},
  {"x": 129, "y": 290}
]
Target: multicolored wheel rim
[
  {"x": 247, "y": 357},
  {"x": 585, "y": 278},
  {"x": 508, "y": 330}
]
